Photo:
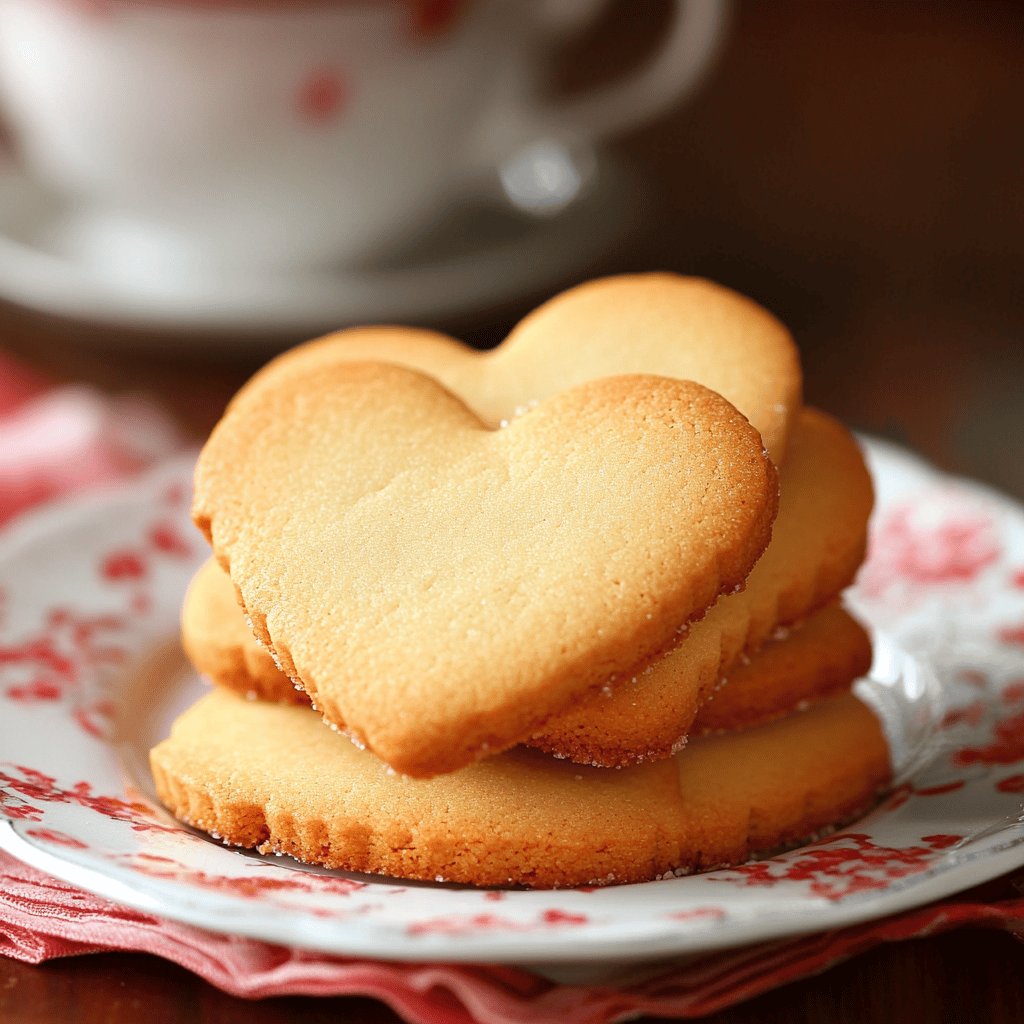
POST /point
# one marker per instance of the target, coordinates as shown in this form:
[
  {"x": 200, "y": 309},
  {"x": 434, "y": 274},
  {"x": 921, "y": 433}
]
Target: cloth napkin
[{"x": 56, "y": 441}]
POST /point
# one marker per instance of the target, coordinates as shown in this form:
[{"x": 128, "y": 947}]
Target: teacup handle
[{"x": 690, "y": 42}]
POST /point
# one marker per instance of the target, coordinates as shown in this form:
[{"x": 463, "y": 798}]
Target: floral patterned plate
[{"x": 91, "y": 675}]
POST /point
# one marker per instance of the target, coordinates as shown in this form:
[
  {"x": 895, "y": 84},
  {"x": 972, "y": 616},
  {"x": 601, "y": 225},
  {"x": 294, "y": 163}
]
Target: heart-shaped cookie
[
  {"x": 814, "y": 659},
  {"x": 442, "y": 588},
  {"x": 682, "y": 327},
  {"x": 817, "y": 546}
]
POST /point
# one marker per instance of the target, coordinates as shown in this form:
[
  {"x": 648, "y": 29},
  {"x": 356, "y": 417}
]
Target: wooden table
[{"x": 857, "y": 167}]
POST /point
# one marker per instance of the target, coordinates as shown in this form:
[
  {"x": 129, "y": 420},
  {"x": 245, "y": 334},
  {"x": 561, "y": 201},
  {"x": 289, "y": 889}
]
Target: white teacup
[{"x": 219, "y": 134}]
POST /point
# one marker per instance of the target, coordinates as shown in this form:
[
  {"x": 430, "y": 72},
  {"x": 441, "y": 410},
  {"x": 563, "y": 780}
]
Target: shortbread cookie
[
  {"x": 270, "y": 776},
  {"x": 221, "y": 646},
  {"x": 664, "y": 324},
  {"x": 440, "y": 588},
  {"x": 826, "y": 653},
  {"x": 816, "y": 659},
  {"x": 817, "y": 546}
]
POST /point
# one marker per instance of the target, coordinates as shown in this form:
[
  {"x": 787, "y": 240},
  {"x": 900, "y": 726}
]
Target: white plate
[
  {"x": 475, "y": 258},
  {"x": 90, "y": 675}
]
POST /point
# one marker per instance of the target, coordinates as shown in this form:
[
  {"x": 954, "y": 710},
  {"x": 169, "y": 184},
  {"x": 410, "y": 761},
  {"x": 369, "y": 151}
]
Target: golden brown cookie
[
  {"x": 770, "y": 685},
  {"x": 221, "y": 646},
  {"x": 816, "y": 548},
  {"x": 441, "y": 588},
  {"x": 664, "y": 324},
  {"x": 271, "y": 776},
  {"x": 815, "y": 659}
]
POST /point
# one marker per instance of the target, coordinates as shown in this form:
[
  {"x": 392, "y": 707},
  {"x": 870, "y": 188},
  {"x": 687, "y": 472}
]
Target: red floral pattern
[
  {"x": 1011, "y": 784},
  {"x": 1007, "y": 746},
  {"x": 846, "y": 864},
  {"x": 697, "y": 914},
  {"x": 941, "y": 790},
  {"x": 462, "y": 924},
  {"x": 49, "y": 666},
  {"x": 1013, "y": 693},
  {"x": 72, "y": 649},
  {"x": 123, "y": 565},
  {"x": 322, "y": 97},
  {"x": 23, "y": 791},
  {"x": 249, "y": 886},
  {"x": 926, "y": 541},
  {"x": 49, "y": 835},
  {"x": 969, "y": 714},
  {"x": 1012, "y": 634}
]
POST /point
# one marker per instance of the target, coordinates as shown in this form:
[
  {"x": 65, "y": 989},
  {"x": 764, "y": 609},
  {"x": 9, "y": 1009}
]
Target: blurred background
[{"x": 857, "y": 167}]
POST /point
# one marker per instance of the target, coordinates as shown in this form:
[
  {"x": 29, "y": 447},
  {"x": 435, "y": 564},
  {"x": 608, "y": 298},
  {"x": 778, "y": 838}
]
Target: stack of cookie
[{"x": 569, "y": 608}]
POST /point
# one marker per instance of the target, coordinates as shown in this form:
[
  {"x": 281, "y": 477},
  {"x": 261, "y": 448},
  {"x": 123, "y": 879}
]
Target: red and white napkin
[{"x": 54, "y": 442}]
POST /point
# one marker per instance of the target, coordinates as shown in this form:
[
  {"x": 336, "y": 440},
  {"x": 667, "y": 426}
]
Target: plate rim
[{"x": 508, "y": 948}]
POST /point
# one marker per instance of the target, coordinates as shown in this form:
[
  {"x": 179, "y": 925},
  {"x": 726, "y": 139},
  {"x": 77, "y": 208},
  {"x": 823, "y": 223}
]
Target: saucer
[{"x": 478, "y": 257}]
